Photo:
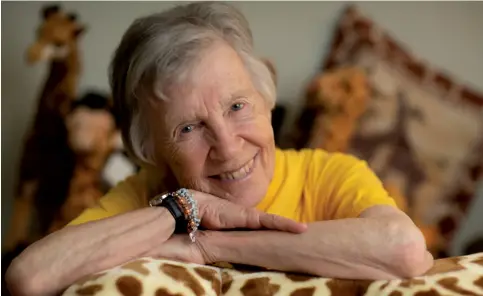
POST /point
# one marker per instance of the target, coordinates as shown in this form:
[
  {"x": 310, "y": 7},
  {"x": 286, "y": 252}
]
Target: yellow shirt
[{"x": 308, "y": 185}]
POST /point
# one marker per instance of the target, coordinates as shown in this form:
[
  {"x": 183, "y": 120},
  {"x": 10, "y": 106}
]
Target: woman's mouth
[{"x": 238, "y": 174}]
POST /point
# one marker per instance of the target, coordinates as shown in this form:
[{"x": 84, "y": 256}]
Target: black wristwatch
[{"x": 169, "y": 202}]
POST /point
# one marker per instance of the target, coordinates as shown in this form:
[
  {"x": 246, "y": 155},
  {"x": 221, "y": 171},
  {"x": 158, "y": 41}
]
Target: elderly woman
[{"x": 196, "y": 113}]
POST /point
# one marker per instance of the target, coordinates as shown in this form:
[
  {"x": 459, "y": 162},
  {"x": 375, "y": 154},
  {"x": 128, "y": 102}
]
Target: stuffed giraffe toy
[
  {"x": 42, "y": 163},
  {"x": 341, "y": 97},
  {"x": 461, "y": 275}
]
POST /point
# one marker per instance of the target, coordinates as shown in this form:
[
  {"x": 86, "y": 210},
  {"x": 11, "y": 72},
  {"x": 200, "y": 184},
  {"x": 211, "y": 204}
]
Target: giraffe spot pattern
[
  {"x": 296, "y": 277},
  {"x": 303, "y": 292},
  {"x": 444, "y": 266},
  {"x": 348, "y": 287},
  {"x": 181, "y": 274},
  {"x": 478, "y": 261},
  {"x": 129, "y": 286},
  {"x": 412, "y": 282},
  {"x": 165, "y": 292},
  {"x": 384, "y": 286},
  {"x": 451, "y": 283},
  {"x": 431, "y": 292},
  {"x": 226, "y": 280},
  {"x": 211, "y": 276},
  {"x": 89, "y": 290},
  {"x": 479, "y": 282},
  {"x": 262, "y": 285},
  {"x": 259, "y": 287},
  {"x": 137, "y": 266}
]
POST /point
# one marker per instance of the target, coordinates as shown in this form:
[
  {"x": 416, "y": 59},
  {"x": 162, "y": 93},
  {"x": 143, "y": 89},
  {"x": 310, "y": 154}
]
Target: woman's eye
[
  {"x": 237, "y": 106},
  {"x": 187, "y": 129}
]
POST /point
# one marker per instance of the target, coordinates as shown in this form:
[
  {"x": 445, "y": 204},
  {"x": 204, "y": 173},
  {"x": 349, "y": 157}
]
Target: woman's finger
[
  {"x": 217, "y": 213},
  {"x": 276, "y": 222},
  {"x": 252, "y": 218}
]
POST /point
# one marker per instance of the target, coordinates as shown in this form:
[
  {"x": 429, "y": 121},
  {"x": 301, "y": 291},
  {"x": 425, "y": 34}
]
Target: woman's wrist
[
  {"x": 166, "y": 219},
  {"x": 214, "y": 247}
]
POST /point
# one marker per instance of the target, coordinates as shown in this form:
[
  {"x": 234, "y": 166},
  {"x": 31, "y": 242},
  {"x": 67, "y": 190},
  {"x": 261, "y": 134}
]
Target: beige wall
[{"x": 295, "y": 35}]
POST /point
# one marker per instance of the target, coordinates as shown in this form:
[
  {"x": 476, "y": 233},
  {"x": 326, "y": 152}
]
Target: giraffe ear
[
  {"x": 50, "y": 10},
  {"x": 79, "y": 31}
]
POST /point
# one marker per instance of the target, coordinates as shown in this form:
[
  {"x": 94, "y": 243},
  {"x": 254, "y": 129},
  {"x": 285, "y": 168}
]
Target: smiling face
[{"x": 215, "y": 131}]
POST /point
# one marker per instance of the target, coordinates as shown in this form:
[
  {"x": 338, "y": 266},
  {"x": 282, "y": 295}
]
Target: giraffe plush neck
[
  {"x": 57, "y": 43},
  {"x": 149, "y": 276},
  {"x": 45, "y": 142}
]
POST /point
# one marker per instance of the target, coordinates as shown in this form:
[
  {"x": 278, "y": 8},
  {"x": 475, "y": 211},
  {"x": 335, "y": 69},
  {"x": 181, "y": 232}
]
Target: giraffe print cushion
[
  {"x": 410, "y": 130},
  {"x": 149, "y": 276}
]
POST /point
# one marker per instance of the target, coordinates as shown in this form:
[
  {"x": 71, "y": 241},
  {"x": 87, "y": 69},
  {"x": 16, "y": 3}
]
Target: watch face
[{"x": 158, "y": 199}]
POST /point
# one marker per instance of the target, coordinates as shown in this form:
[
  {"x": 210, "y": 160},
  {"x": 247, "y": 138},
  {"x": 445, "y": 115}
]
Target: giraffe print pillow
[
  {"x": 149, "y": 276},
  {"x": 421, "y": 130}
]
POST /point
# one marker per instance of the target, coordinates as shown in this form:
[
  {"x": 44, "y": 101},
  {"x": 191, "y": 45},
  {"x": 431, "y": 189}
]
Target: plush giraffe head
[
  {"x": 339, "y": 98},
  {"x": 149, "y": 276},
  {"x": 56, "y": 36}
]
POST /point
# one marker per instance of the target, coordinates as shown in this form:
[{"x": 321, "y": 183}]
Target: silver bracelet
[{"x": 190, "y": 209}]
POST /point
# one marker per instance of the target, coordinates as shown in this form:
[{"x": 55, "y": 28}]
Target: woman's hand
[
  {"x": 217, "y": 213},
  {"x": 180, "y": 248}
]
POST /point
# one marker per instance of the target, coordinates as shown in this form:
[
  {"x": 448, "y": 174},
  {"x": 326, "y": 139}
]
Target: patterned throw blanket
[{"x": 148, "y": 276}]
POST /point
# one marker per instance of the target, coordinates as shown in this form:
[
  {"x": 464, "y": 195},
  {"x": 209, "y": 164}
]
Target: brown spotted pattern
[
  {"x": 409, "y": 283},
  {"x": 296, "y": 277},
  {"x": 89, "y": 290},
  {"x": 384, "y": 286},
  {"x": 450, "y": 276},
  {"x": 444, "y": 266},
  {"x": 431, "y": 292},
  {"x": 182, "y": 275},
  {"x": 165, "y": 292},
  {"x": 137, "y": 266},
  {"x": 303, "y": 292},
  {"x": 129, "y": 286},
  {"x": 259, "y": 287},
  {"x": 211, "y": 276},
  {"x": 348, "y": 287},
  {"x": 478, "y": 261},
  {"x": 479, "y": 282},
  {"x": 390, "y": 67},
  {"x": 451, "y": 283},
  {"x": 226, "y": 280}
]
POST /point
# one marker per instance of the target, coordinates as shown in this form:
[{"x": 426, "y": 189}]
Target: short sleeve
[
  {"x": 127, "y": 196},
  {"x": 343, "y": 186}
]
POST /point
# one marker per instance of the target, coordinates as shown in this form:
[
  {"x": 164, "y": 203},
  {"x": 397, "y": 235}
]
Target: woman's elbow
[
  {"x": 20, "y": 280},
  {"x": 410, "y": 255}
]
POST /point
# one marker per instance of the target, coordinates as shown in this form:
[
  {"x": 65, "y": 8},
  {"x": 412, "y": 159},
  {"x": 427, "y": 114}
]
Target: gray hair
[{"x": 159, "y": 49}]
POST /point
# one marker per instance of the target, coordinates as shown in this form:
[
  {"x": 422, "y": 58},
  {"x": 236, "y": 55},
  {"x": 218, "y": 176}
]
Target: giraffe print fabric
[{"x": 150, "y": 276}]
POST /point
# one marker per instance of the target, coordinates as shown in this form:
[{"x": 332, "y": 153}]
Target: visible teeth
[{"x": 241, "y": 173}]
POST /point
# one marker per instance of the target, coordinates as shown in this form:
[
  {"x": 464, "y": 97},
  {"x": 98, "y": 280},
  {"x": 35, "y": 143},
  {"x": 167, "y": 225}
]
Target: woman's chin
[
  {"x": 247, "y": 190},
  {"x": 248, "y": 195}
]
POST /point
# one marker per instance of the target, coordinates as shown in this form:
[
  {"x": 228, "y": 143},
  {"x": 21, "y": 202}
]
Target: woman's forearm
[
  {"x": 351, "y": 248},
  {"x": 87, "y": 248}
]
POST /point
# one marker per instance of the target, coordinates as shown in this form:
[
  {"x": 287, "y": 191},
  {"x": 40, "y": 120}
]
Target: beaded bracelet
[{"x": 186, "y": 204}]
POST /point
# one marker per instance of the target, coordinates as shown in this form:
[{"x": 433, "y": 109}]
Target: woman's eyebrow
[{"x": 237, "y": 95}]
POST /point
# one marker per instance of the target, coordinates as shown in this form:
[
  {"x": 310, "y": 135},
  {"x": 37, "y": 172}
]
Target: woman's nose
[{"x": 225, "y": 144}]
